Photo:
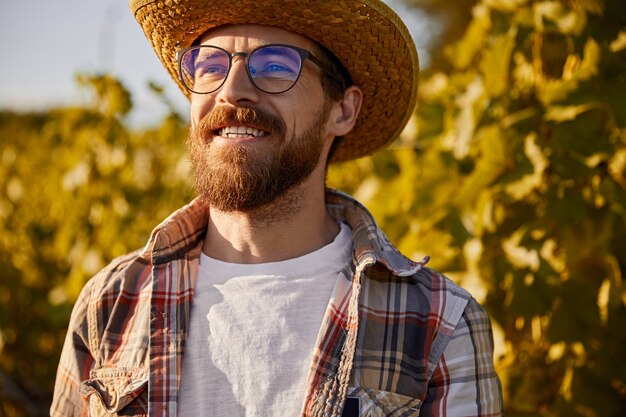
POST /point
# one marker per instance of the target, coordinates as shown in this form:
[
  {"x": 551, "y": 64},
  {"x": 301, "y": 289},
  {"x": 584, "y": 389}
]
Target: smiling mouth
[{"x": 240, "y": 132}]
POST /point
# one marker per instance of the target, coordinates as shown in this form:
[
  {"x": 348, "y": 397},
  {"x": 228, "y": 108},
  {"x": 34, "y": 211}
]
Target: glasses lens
[
  {"x": 204, "y": 68},
  {"x": 275, "y": 69}
]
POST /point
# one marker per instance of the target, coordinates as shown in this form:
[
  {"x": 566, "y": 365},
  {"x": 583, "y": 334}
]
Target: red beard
[{"x": 238, "y": 177}]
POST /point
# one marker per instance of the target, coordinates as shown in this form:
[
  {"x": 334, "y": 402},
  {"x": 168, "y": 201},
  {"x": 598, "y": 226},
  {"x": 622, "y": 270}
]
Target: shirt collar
[
  {"x": 371, "y": 245},
  {"x": 186, "y": 227},
  {"x": 178, "y": 233}
]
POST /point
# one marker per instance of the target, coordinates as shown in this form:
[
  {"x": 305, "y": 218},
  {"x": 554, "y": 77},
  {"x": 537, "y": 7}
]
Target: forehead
[{"x": 250, "y": 36}]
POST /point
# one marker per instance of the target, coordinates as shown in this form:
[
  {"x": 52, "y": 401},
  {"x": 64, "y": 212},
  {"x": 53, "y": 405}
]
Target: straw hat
[{"x": 367, "y": 36}]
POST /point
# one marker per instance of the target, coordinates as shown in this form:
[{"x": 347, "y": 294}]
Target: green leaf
[
  {"x": 586, "y": 135},
  {"x": 575, "y": 314}
]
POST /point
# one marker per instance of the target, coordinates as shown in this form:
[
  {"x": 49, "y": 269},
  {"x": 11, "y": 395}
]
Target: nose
[{"x": 238, "y": 89}]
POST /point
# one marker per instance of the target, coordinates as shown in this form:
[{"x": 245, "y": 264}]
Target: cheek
[
  {"x": 199, "y": 107},
  {"x": 301, "y": 107}
]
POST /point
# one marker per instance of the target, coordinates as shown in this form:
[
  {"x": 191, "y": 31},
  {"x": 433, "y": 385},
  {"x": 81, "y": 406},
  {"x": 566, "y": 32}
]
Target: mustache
[{"x": 221, "y": 117}]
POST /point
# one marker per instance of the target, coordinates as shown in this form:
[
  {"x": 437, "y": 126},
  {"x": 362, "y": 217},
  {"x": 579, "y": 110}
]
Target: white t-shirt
[{"x": 253, "y": 330}]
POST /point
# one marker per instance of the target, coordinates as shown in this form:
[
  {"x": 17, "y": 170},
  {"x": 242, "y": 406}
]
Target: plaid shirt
[{"x": 397, "y": 339}]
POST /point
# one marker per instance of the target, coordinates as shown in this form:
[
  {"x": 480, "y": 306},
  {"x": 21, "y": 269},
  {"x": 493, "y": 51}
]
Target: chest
[{"x": 356, "y": 363}]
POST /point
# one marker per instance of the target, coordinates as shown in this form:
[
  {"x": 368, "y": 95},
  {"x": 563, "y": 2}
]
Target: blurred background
[{"x": 511, "y": 176}]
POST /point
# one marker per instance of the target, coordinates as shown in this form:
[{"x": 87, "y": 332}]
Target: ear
[{"x": 344, "y": 112}]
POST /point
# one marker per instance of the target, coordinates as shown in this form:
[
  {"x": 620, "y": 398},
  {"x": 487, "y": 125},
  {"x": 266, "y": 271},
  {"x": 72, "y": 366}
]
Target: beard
[{"x": 243, "y": 178}]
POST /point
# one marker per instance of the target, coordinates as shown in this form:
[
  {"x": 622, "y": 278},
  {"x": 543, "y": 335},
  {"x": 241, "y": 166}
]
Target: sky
[{"x": 45, "y": 43}]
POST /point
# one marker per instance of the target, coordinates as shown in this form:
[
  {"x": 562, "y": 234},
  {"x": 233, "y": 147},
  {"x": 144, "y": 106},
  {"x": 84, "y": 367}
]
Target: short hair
[
  {"x": 334, "y": 84},
  {"x": 338, "y": 80}
]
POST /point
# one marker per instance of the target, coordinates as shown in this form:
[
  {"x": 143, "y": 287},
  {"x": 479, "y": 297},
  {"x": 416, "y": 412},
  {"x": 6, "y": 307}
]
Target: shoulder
[
  {"x": 440, "y": 289},
  {"x": 427, "y": 302},
  {"x": 433, "y": 307},
  {"x": 460, "y": 322},
  {"x": 427, "y": 312},
  {"x": 425, "y": 292},
  {"x": 444, "y": 300},
  {"x": 434, "y": 283}
]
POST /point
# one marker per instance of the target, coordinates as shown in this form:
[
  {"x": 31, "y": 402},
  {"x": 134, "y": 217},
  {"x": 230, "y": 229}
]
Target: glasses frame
[{"x": 304, "y": 55}]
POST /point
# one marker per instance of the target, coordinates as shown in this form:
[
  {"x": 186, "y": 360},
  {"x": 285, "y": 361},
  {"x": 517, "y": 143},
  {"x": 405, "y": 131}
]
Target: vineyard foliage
[
  {"x": 79, "y": 187},
  {"x": 511, "y": 176}
]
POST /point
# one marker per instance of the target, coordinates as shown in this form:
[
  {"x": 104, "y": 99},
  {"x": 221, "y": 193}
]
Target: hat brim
[{"x": 369, "y": 39}]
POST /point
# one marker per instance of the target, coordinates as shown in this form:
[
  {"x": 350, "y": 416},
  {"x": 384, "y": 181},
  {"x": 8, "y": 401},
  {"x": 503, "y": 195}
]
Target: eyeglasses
[{"x": 273, "y": 69}]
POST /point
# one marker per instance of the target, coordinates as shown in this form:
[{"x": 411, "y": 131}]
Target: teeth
[{"x": 240, "y": 131}]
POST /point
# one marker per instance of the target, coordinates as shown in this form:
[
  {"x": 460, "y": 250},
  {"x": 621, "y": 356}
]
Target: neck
[{"x": 294, "y": 225}]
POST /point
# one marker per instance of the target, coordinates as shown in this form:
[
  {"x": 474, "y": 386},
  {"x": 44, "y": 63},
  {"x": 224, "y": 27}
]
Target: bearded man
[{"x": 270, "y": 295}]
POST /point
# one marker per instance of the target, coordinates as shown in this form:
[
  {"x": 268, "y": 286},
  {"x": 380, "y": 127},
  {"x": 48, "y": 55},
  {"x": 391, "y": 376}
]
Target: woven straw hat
[{"x": 367, "y": 36}]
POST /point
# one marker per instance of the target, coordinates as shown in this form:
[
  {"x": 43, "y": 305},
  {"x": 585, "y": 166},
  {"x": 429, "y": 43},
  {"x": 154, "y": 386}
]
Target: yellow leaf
[
  {"x": 77, "y": 176},
  {"x": 568, "y": 21},
  {"x": 589, "y": 66},
  {"x": 491, "y": 163},
  {"x": 471, "y": 104},
  {"x": 496, "y": 62},
  {"x": 433, "y": 87},
  {"x": 519, "y": 256},
  {"x": 473, "y": 40},
  {"x": 566, "y": 386},
  {"x": 556, "y": 90},
  {"x": 505, "y": 5},
  {"x": 556, "y": 351},
  {"x": 524, "y": 186},
  {"x": 593, "y": 6},
  {"x": 566, "y": 113},
  {"x": 523, "y": 73},
  {"x": 485, "y": 221},
  {"x": 603, "y": 300},
  {"x": 617, "y": 167},
  {"x": 619, "y": 43},
  {"x": 15, "y": 189},
  {"x": 616, "y": 298},
  {"x": 575, "y": 70}
]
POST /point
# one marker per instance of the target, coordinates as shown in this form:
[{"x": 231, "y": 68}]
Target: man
[{"x": 270, "y": 295}]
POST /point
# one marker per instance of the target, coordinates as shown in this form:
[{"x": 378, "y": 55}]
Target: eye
[
  {"x": 211, "y": 63},
  {"x": 210, "y": 69},
  {"x": 273, "y": 69},
  {"x": 276, "y": 67},
  {"x": 275, "y": 61}
]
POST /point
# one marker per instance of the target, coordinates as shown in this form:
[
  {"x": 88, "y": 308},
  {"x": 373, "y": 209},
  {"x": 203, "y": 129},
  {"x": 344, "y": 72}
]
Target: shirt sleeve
[
  {"x": 76, "y": 362},
  {"x": 465, "y": 382}
]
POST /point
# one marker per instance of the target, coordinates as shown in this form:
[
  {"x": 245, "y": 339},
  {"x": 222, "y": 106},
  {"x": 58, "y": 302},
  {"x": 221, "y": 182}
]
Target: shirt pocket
[
  {"x": 116, "y": 392},
  {"x": 376, "y": 403}
]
